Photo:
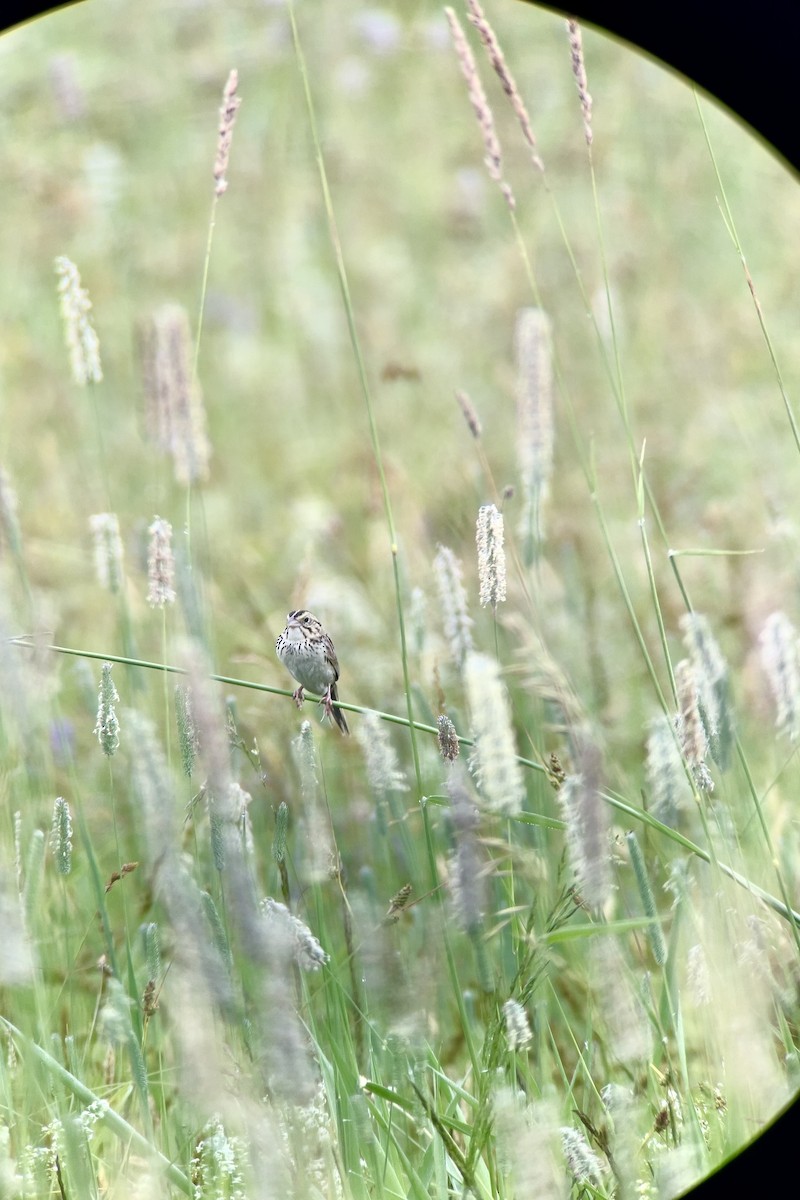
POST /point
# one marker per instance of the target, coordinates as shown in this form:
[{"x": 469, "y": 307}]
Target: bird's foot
[
  {"x": 299, "y": 697},
  {"x": 326, "y": 703}
]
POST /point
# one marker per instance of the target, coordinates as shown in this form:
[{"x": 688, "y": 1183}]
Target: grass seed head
[
  {"x": 582, "y": 1163},
  {"x": 492, "y": 156},
  {"x": 781, "y": 663},
  {"x": 669, "y": 790},
  {"x": 175, "y": 417},
  {"x": 497, "y": 770},
  {"x": 470, "y": 415},
  {"x": 447, "y": 738},
  {"x": 61, "y": 836},
  {"x": 691, "y": 730},
  {"x": 160, "y": 565},
  {"x": 518, "y": 1030},
  {"x": 453, "y": 603},
  {"x": 384, "y": 774},
  {"x": 106, "y": 729},
  {"x": 108, "y": 553},
  {"x": 581, "y": 82},
  {"x": 227, "y": 120},
  {"x": 587, "y": 827},
  {"x": 490, "y": 538},
  {"x": 497, "y": 59},
  {"x": 188, "y": 739},
  {"x": 465, "y": 875},
  {"x": 83, "y": 343}
]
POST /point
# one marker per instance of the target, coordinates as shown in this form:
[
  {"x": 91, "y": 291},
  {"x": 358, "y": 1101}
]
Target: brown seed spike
[
  {"x": 397, "y": 904},
  {"x": 470, "y": 415},
  {"x": 480, "y": 104},
  {"x": 500, "y": 67},
  {"x": 579, "y": 71},
  {"x": 227, "y": 119},
  {"x": 448, "y": 739}
]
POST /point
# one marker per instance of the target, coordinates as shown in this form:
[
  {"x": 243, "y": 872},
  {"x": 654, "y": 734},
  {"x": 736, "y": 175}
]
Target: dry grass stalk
[
  {"x": 470, "y": 415},
  {"x": 497, "y": 59},
  {"x": 480, "y": 104},
  {"x": 579, "y": 71},
  {"x": 227, "y": 119},
  {"x": 174, "y": 414}
]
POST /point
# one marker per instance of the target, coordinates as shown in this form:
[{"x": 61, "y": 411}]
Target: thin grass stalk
[
  {"x": 344, "y": 286},
  {"x": 730, "y": 225},
  {"x": 623, "y": 589},
  {"x": 647, "y": 898},
  {"x": 458, "y": 991},
  {"x": 651, "y": 579},
  {"x": 228, "y": 116},
  {"x": 672, "y": 994},
  {"x": 773, "y": 856},
  {"x": 474, "y": 426},
  {"x": 616, "y": 377}
]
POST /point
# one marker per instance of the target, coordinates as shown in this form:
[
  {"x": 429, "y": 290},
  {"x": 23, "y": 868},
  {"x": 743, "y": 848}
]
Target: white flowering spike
[
  {"x": 518, "y": 1031},
  {"x": 82, "y": 341},
  {"x": 491, "y": 556},
  {"x": 453, "y": 604},
  {"x": 160, "y": 565},
  {"x": 781, "y": 663},
  {"x": 106, "y": 729},
  {"x": 107, "y": 550},
  {"x": 497, "y": 770}
]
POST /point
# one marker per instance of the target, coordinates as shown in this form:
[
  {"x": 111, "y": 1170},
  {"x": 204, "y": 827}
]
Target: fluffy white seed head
[
  {"x": 489, "y": 538},
  {"x": 497, "y": 770},
  {"x": 453, "y": 604},
  {"x": 83, "y": 343},
  {"x": 781, "y": 663}
]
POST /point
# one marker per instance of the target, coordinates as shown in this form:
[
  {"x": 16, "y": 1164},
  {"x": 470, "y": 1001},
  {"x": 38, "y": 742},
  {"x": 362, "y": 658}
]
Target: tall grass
[{"x": 528, "y": 452}]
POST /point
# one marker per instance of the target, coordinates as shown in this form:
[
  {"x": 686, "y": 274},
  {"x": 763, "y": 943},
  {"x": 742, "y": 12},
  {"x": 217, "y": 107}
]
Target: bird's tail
[{"x": 338, "y": 715}]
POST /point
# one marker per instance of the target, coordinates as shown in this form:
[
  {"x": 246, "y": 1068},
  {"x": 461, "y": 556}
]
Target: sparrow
[{"x": 307, "y": 652}]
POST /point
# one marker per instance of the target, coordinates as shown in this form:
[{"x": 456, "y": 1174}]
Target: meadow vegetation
[{"x": 521, "y": 433}]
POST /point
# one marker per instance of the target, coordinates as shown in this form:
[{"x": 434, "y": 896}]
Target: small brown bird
[{"x": 306, "y": 650}]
